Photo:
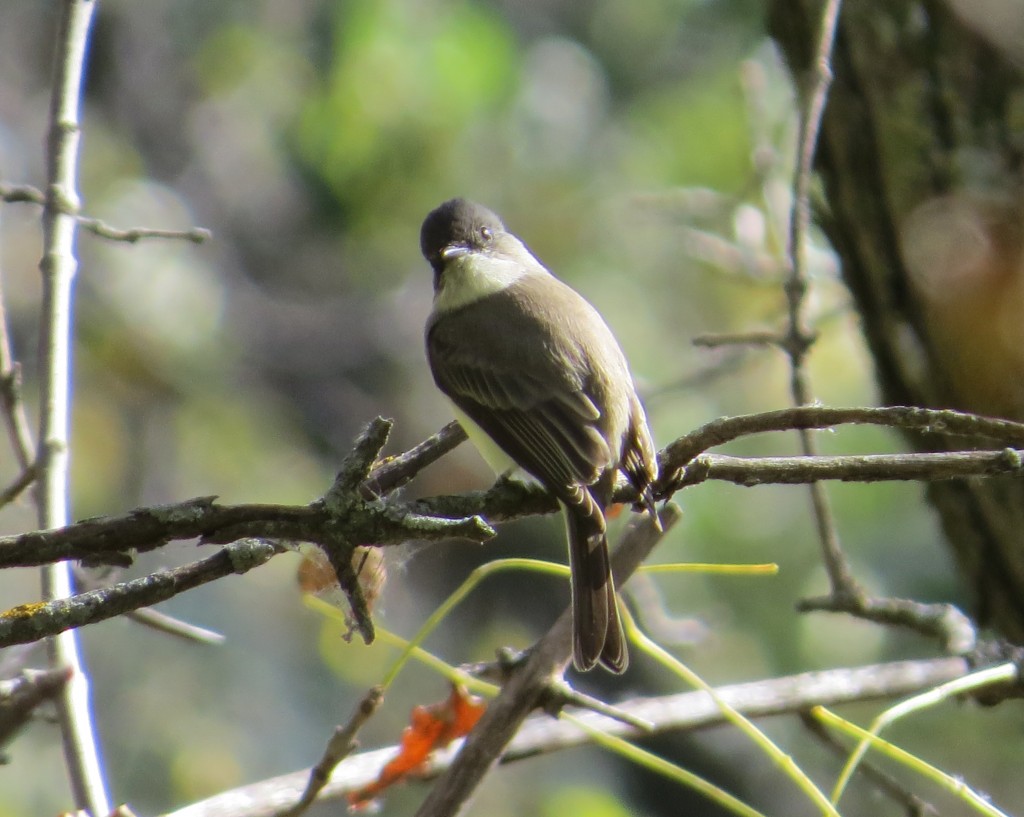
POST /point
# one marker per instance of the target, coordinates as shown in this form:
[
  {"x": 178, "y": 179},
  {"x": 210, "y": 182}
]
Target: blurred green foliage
[
  {"x": 401, "y": 79},
  {"x": 643, "y": 151}
]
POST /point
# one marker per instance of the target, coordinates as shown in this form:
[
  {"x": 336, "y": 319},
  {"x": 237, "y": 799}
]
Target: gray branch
[
  {"x": 364, "y": 513},
  {"x": 58, "y": 267},
  {"x": 541, "y": 733}
]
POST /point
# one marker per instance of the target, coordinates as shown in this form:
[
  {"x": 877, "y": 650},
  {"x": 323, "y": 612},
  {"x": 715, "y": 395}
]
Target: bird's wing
[
  {"x": 639, "y": 457},
  {"x": 547, "y": 423}
]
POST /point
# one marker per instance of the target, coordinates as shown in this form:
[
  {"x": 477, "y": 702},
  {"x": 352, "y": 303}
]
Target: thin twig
[
  {"x": 18, "y": 486},
  {"x": 342, "y": 743},
  {"x": 15, "y": 193},
  {"x": 31, "y": 622},
  {"x": 397, "y": 471},
  {"x": 147, "y": 616},
  {"x": 657, "y": 621},
  {"x": 942, "y": 621},
  {"x": 21, "y": 696},
  {"x": 58, "y": 267},
  {"x": 912, "y": 805},
  {"x": 11, "y": 401},
  {"x": 21, "y": 193},
  {"x": 799, "y": 337},
  {"x": 561, "y": 695},
  {"x": 922, "y": 467},
  {"x": 185, "y": 630},
  {"x": 754, "y": 337},
  {"x": 195, "y": 235}
]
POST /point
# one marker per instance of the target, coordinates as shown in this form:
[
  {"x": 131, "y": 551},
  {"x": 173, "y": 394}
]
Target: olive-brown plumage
[{"x": 529, "y": 362}]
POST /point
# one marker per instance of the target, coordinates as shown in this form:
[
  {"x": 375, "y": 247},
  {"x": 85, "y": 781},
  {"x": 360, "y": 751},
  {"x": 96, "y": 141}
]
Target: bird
[{"x": 541, "y": 386}]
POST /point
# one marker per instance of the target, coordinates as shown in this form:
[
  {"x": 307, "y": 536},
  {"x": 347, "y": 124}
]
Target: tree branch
[
  {"x": 924, "y": 467},
  {"x": 30, "y": 622},
  {"x": 397, "y": 471},
  {"x": 58, "y": 267},
  {"x": 350, "y": 512},
  {"x": 10, "y": 399},
  {"x": 529, "y": 682},
  {"x": 22, "y": 695},
  {"x": 16, "y": 193},
  {"x": 541, "y": 733},
  {"x": 926, "y": 421},
  {"x": 111, "y": 540},
  {"x": 107, "y": 540}
]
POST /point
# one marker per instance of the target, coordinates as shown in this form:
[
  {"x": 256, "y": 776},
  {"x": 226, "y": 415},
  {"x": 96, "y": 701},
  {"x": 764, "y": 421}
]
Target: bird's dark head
[{"x": 456, "y": 228}]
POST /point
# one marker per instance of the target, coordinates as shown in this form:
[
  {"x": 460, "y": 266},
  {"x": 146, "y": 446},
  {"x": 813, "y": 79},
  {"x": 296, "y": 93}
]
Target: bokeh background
[{"x": 643, "y": 150}]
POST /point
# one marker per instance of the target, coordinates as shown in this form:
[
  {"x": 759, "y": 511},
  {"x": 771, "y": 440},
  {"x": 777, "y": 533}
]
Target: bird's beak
[{"x": 454, "y": 251}]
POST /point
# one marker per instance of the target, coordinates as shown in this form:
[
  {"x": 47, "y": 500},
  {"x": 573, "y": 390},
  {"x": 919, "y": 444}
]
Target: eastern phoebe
[{"x": 539, "y": 383}]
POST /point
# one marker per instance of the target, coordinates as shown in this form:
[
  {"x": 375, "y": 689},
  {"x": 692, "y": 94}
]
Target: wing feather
[{"x": 543, "y": 418}]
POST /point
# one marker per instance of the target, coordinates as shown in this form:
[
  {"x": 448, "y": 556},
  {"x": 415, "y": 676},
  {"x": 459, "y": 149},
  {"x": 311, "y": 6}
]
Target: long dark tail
[{"x": 597, "y": 630}]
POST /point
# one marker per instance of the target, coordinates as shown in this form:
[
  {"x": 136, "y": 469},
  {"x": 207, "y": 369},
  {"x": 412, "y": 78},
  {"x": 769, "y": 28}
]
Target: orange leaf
[{"x": 430, "y": 727}]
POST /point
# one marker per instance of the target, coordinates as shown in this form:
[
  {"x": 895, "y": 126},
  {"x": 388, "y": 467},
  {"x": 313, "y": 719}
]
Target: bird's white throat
[{"x": 475, "y": 275}]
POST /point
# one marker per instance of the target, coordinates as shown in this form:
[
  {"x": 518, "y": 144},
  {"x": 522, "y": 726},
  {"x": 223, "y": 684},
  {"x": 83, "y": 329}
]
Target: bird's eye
[{"x": 486, "y": 234}]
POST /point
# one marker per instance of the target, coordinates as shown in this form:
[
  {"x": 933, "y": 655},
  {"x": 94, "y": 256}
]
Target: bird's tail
[{"x": 597, "y": 630}]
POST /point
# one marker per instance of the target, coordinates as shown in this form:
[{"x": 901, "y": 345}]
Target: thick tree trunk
[{"x": 920, "y": 158}]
